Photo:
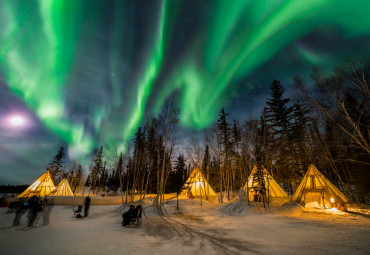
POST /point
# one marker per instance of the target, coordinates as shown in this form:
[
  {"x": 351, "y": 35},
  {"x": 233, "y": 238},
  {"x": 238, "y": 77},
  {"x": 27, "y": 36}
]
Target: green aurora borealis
[{"x": 93, "y": 70}]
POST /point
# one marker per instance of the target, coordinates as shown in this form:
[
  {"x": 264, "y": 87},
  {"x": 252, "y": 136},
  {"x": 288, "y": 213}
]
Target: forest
[{"x": 324, "y": 121}]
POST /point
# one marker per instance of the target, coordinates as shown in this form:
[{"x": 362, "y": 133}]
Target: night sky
[{"x": 81, "y": 74}]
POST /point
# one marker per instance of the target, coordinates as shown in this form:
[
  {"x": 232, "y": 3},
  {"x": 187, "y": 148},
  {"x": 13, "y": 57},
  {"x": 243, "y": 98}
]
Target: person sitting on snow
[{"x": 127, "y": 216}]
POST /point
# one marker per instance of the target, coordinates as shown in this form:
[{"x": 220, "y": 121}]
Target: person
[
  {"x": 35, "y": 207},
  {"x": 87, "y": 206},
  {"x": 21, "y": 209},
  {"x": 127, "y": 216},
  {"x": 45, "y": 215}
]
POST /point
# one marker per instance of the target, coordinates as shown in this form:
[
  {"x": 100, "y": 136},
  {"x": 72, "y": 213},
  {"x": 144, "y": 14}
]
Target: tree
[
  {"x": 118, "y": 175},
  {"x": 115, "y": 162},
  {"x": 248, "y": 148},
  {"x": 224, "y": 131},
  {"x": 96, "y": 169},
  {"x": 88, "y": 181},
  {"x": 103, "y": 178},
  {"x": 151, "y": 144},
  {"x": 138, "y": 161},
  {"x": 77, "y": 178},
  {"x": 177, "y": 176},
  {"x": 237, "y": 160},
  {"x": 279, "y": 119},
  {"x": 56, "y": 167},
  {"x": 258, "y": 177},
  {"x": 206, "y": 161},
  {"x": 213, "y": 141},
  {"x": 300, "y": 137},
  {"x": 179, "y": 173},
  {"x": 341, "y": 100},
  {"x": 167, "y": 121}
]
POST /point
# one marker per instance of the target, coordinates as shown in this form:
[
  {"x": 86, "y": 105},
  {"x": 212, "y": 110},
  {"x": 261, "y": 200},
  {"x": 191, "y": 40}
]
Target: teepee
[
  {"x": 63, "y": 189},
  {"x": 198, "y": 186},
  {"x": 272, "y": 187},
  {"x": 41, "y": 187},
  {"x": 317, "y": 191}
]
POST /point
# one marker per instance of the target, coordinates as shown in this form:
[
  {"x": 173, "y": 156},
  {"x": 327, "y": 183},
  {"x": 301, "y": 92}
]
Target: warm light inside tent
[
  {"x": 35, "y": 185},
  {"x": 332, "y": 200},
  {"x": 199, "y": 184}
]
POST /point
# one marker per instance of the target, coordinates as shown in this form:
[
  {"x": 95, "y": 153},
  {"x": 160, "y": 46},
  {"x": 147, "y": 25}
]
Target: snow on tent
[
  {"x": 41, "y": 187},
  {"x": 197, "y": 186},
  {"x": 63, "y": 189},
  {"x": 273, "y": 188},
  {"x": 317, "y": 191}
]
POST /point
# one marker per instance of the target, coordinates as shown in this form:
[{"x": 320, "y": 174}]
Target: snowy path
[
  {"x": 207, "y": 229},
  {"x": 199, "y": 238}
]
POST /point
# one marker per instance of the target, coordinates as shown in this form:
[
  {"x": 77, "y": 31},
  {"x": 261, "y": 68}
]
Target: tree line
[
  {"x": 13, "y": 188},
  {"x": 324, "y": 122}
]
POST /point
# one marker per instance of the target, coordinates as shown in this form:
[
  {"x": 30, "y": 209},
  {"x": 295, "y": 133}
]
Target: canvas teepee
[
  {"x": 41, "y": 187},
  {"x": 198, "y": 186},
  {"x": 272, "y": 187},
  {"x": 63, "y": 189},
  {"x": 317, "y": 191}
]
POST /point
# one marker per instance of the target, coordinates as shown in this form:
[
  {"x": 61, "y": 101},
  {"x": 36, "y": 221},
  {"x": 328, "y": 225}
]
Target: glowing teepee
[
  {"x": 317, "y": 191},
  {"x": 63, "y": 189},
  {"x": 198, "y": 186},
  {"x": 272, "y": 187},
  {"x": 43, "y": 186}
]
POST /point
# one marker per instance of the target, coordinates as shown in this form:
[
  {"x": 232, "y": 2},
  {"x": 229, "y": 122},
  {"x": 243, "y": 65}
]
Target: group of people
[{"x": 34, "y": 206}]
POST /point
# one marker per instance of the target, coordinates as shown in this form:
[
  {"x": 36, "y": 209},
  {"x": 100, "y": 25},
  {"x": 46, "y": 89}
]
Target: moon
[{"x": 16, "y": 121}]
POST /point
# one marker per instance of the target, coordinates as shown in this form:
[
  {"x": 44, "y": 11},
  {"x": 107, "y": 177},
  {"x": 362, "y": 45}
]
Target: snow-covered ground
[{"x": 210, "y": 228}]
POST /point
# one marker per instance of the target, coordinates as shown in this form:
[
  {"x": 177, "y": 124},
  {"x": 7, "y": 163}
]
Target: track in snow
[{"x": 172, "y": 229}]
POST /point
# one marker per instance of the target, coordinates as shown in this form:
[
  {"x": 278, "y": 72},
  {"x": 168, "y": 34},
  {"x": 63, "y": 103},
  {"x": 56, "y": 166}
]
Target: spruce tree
[
  {"x": 56, "y": 167},
  {"x": 279, "y": 118},
  {"x": 206, "y": 162},
  {"x": 103, "y": 178},
  {"x": 237, "y": 173},
  {"x": 118, "y": 177},
  {"x": 300, "y": 137},
  {"x": 236, "y": 137},
  {"x": 180, "y": 171},
  {"x": 78, "y": 178},
  {"x": 96, "y": 170},
  {"x": 88, "y": 181},
  {"x": 224, "y": 132}
]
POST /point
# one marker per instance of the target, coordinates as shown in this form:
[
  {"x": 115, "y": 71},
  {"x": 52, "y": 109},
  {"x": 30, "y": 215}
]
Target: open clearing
[{"x": 210, "y": 228}]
